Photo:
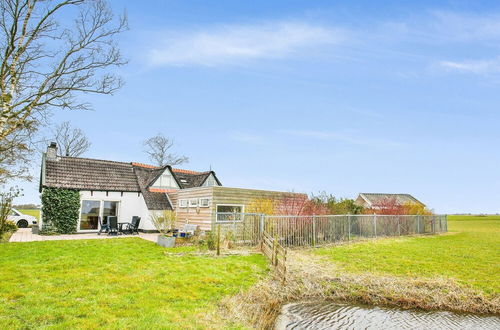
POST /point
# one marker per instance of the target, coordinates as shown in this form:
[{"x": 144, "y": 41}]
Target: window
[
  {"x": 109, "y": 208},
  {"x": 204, "y": 202},
  {"x": 165, "y": 181},
  {"x": 91, "y": 211},
  {"x": 230, "y": 212},
  {"x": 183, "y": 203},
  {"x": 210, "y": 181},
  {"x": 193, "y": 202}
]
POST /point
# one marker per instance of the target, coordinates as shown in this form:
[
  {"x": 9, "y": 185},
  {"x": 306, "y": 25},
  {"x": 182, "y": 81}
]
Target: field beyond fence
[{"x": 303, "y": 231}]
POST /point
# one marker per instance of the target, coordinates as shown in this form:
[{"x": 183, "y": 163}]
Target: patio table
[{"x": 120, "y": 226}]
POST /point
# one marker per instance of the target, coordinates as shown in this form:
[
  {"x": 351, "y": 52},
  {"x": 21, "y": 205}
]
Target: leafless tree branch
[
  {"x": 158, "y": 149},
  {"x": 46, "y": 64},
  {"x": 71, "y": 141}
]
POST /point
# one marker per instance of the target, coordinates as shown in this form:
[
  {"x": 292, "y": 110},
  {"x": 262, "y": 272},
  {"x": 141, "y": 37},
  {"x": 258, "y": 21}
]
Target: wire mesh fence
[{"x": 295, "y": 231}]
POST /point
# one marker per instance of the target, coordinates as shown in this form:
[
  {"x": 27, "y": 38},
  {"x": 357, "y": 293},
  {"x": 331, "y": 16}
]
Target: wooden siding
[
  {"x": 200, "y": 216},
  {"x": 205, "y": 216}
]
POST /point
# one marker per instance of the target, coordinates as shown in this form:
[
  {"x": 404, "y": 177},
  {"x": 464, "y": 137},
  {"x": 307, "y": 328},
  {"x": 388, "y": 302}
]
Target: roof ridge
[
  {"x": 180, "y": 170},
  {"x": 95, "y": 159},
  {"x": 146, "y": 165}
]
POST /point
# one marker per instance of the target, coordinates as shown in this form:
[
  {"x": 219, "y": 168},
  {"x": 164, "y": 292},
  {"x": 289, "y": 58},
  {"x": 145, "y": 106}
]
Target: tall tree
[
  {"x": 158, "y": 149},
  {"x": 71, "y": 141},
  {"x": 46, "y": 63}
]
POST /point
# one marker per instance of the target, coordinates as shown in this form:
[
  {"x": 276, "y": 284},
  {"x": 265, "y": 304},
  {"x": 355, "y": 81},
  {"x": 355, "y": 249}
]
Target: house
[
  {"x": 126, "y": 189},
  {"x": 376, "y": 200}
]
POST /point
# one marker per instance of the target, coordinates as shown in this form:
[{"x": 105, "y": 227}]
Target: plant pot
[
  {"x": 35, "y": 230},
  {"x": 166, "y": 241}
]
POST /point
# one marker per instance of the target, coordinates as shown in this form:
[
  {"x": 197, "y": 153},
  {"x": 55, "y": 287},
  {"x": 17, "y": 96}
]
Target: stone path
[{"x": 25, "y": 235}]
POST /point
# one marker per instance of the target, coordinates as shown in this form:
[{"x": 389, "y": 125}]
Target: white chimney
[{"x": 52, "y": 151}]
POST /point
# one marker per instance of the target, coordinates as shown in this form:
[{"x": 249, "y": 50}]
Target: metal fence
[{"x": 295, "y": 231}]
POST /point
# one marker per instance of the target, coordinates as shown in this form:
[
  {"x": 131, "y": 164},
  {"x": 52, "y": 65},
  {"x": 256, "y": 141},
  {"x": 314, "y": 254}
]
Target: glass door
[
  {"x": 89, "y": 219},
  {"x": 109, "y": 208}
]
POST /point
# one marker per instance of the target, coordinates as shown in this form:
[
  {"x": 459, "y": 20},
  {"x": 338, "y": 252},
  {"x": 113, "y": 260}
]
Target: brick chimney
[{"x": 52, "y": 151}]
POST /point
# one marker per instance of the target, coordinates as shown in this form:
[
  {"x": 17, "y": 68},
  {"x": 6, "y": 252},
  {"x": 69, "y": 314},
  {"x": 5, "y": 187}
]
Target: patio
[{"x": 25, "y": 235}]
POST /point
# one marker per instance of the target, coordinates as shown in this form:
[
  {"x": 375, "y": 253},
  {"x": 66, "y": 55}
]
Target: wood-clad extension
[{"x": 218, "y": 195}]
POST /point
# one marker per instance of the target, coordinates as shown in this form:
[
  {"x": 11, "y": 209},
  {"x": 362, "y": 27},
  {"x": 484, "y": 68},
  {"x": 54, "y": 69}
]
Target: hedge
[{"x": 60, "y": 208}]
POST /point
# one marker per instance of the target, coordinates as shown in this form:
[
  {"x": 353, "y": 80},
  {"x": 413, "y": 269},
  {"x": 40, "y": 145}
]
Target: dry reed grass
[{"x": 309, "y": 278}]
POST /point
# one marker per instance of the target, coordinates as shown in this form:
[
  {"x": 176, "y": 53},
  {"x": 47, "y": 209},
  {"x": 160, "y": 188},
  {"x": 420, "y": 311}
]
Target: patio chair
[
  {"x": 113, "y": 225},
  {"x": 103, "y": 227},
  {"x": 132, "y": 227}
]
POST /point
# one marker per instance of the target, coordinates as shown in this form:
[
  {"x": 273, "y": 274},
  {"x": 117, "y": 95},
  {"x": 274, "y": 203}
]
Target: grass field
[
  {"x": 35, "y": 213},
  {"x": 117, "y": 283},
  {"x": 469, "y": 254}
]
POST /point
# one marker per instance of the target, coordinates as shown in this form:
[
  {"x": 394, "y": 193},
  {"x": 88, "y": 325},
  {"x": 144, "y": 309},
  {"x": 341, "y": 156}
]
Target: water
[{"x": 324, "y": 315}]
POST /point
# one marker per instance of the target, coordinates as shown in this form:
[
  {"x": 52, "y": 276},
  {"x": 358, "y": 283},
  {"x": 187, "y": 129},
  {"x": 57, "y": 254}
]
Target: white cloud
[
  {"x": 233, "y": 43},
  {"x": 345, "y": 138},
  {"x": 477, "y": 66}
]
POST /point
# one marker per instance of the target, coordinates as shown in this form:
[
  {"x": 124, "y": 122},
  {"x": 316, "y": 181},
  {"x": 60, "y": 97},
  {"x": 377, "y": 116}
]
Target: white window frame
[
  {"x": 230, "y": 221},
  {"x": 181, "y": 202},
  {"x": 101, "y": 211},
  {"x": 193, "y": 202},
  {"x": 207, "y": 199}
]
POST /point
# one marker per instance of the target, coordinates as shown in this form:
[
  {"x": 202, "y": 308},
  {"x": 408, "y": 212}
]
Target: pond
[{"x": 327, "y": 315}]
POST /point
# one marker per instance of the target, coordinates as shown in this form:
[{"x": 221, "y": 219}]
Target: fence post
[
  {"x": 348, "y": 227},
  {"x": 314, "y": 230},
  {"x": 261, "y": 225},
  {"x": 433, "y": 224},
  {"x": 418, "y": 224},
  {"x": 399, "y": 227},
  {"x": 375, "y": 224},
  {"x": 274, "y": 259},
  {"x": 218, "y": 239},
  {"x": 446, "y": 222}
]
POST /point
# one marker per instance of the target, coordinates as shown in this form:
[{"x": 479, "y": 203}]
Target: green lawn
[
  {"x": 470, "y": 254},
  {"x": 35, "y": 213},
  {"x": 116, "y": 283}
]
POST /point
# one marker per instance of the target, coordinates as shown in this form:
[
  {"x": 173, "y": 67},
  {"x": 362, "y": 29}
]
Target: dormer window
[
  {"x": 166, "y": 181},
  {"x": 210, "y": 181}
]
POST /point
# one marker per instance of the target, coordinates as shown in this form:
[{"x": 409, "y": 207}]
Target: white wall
[{"x": 131, "y": 203}]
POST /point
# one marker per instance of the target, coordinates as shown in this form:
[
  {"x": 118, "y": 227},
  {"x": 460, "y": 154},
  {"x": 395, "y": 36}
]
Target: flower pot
[{"x": 166, "y": 241}]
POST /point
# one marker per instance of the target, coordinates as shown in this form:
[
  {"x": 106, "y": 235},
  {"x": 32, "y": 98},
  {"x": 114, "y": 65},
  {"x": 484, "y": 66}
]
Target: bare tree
[
  {"x": 45, "y": 64},
  {"x": 71, "y": 141},
  {"x": 158, "y": 149}
]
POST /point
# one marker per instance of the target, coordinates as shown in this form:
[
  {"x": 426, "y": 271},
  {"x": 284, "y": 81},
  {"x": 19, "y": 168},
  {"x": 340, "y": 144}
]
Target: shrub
[
  {"x": 211, "y": 240},
  {"x": 9, "y": 226},
  {"x": 5, "y": 209},
  {"x": 164, "y": 221},
  {"x": 60, "y": 208}
]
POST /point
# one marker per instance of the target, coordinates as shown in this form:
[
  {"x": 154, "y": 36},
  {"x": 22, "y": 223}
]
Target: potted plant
[{"x": 164, "y": 222}]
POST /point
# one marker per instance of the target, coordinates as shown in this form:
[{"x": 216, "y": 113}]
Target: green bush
[
  {"x": 9, "y": 226},
  {"x": 211, "y": 239},
  {"x": 60, "y": 209}
]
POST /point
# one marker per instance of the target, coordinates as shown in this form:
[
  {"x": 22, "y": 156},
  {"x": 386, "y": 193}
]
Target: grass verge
[{"x": 117, "y": 283}]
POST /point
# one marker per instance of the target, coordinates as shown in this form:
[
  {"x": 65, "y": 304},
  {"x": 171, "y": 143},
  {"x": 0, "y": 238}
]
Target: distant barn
[{"x": 375, "y": 200}]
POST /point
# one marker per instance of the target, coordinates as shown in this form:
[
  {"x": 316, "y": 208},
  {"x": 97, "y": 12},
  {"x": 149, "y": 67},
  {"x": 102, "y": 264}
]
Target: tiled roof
[
  {"x": 90, "y": 174},
  {"x": 378, "y": 198},
  {"x": 104, "y": 175},
  {"x": 187, "y": 180},
  {"x": 155, "y": 200}
]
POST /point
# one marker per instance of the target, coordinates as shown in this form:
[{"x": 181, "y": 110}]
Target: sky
[{"x": 308, "y": 96}]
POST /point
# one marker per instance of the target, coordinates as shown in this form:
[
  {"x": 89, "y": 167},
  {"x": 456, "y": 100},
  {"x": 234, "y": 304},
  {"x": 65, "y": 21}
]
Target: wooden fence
[{"x": 276, "y": 254}]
